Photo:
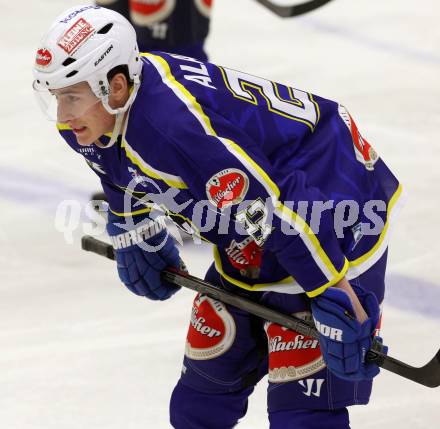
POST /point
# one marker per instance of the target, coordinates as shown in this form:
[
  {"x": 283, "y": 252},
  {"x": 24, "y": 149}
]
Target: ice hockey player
[{"x": 295, "y": 202}]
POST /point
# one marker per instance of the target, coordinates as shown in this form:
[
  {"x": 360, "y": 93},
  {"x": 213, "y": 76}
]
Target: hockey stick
[
  {"x": 285, "y": 11},
  {"x": 427, "y": 375}
]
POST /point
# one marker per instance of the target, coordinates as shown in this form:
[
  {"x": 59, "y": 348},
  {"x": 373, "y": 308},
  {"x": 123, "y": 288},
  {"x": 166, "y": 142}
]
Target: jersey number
[
  {"x": 300, "y": 105},
  {"x": 254, "y": 219}
]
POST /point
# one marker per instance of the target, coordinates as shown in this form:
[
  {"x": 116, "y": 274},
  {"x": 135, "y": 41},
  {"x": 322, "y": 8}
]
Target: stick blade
[
  {"x": 432, "y": 370},
  {"x": 286, "y": 11},
  {"x": 427, "y": 375}
]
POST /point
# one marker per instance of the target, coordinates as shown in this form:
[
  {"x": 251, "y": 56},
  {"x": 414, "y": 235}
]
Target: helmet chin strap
[{"x": 120, "y": 114}]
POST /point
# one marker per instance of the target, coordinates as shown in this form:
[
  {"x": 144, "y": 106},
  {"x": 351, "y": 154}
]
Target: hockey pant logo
[
  {"x": 312, "y": 386},
  {"x": 292, "y": 356},
  {"x": 148, "y": 12},
  {"x": 212, "y": 329}
]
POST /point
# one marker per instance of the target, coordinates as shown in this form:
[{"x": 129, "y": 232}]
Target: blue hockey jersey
[{"x": 230, "y": 156}]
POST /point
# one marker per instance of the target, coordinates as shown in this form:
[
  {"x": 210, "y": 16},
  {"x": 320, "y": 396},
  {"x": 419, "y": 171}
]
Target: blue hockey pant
[{"x": 229, "y": 350}]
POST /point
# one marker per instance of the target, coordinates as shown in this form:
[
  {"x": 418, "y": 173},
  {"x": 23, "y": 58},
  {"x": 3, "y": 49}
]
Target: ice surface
[{"x": 79, "y": 351}]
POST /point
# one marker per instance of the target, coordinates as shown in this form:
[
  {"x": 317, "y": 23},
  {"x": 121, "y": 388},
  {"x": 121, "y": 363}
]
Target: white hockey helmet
[{"x": 83, "y": 45}]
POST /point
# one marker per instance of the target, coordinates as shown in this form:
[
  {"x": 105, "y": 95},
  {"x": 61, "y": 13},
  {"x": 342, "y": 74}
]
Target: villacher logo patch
[{"x": 227, "y": 187}]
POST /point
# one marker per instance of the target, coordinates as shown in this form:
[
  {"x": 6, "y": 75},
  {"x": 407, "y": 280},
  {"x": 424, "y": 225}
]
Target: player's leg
[
  {"x": 225, "y": 356},
  {"x": 192, "y": 409},
  {"x": 195, "y": 50},
  {"x": 302, "y": 392},
  {"x": 120, "y": 6},
  {"x": 310, "y": 419},
  {"x": 174, "y": 27}
]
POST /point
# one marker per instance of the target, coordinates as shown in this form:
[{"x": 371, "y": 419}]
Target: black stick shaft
[
  {"x": 190, "y": 282},
  {"x": 428, "y": 375}
]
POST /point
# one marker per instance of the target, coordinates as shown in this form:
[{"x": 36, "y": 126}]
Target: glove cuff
[{"x": 126, "y": 232}]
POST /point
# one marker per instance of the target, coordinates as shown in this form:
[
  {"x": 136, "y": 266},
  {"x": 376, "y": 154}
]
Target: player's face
[{"x": 82, "y": 111}]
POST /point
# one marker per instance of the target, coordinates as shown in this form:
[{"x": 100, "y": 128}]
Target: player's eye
[{"x": 72, "y": 98}]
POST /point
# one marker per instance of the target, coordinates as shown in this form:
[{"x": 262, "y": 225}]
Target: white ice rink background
[{"x": 77, "y": 350}]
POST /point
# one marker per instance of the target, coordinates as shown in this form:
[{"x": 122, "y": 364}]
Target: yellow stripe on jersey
[
  {"x": 195, "y": 230},
  {"x": 291, "y": 217},
  {"x": 379, "y": 248},
  {"x": 251, "y": 165},
  {"x": 180, "y": 91},
  {"x": 312, "y": 243},
  {"x": 146, "y": 209},
  {"x": 288, "y": 215},
  {"x": 339, "y": 277},
  {"x": 306, "y": 233},
  {"x": 169, "y": 179},
  {"x": 137, "y": 212},
  {"x": 286, "y": 285}
]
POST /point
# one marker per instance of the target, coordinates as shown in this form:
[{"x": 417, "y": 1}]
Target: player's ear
[{"x": 119, "y": 91}]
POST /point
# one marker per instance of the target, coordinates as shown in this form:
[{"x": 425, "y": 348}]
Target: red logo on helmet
[
  {"x": 211, "y": 331},
  {"x": 204, "y": 7},
  {"x": 76, "y": 35},
  {"x": 147, "y": 12},
  {"x": 292, "y": 356},
  {"x": 43, "y": 58},
  {"x": 227, "y": 187}
]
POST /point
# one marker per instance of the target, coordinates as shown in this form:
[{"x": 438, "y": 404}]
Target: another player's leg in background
[{"x": 120, "y": 6}]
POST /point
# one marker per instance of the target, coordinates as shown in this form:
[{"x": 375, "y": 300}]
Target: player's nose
[{"x": 64, "y": 114}]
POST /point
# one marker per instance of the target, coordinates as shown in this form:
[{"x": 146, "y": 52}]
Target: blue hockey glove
[
  {"x": 142, "y": 253},
  {"x": 344, "y": 341}
]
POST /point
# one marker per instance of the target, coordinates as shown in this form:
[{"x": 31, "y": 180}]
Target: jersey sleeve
[{"x": 224, "y": 167}]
